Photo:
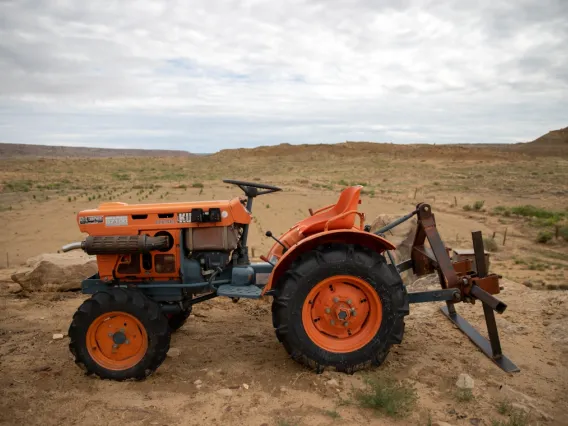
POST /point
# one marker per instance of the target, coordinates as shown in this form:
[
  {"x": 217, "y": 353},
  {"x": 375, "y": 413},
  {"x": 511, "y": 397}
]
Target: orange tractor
[{"x": 338, "y": 297}]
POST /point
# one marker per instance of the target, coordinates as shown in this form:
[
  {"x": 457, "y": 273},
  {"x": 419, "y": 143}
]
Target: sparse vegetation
[
  {"x": 504, "y": 407},
  {"x": 537, "y": 215},
  {"x": 22, "y": 185},
  {"x": 563, "y": 232},
  {"x": 464, "y": 395},
  {"x": 543, "y": 237},
  {"x": 197, "y": 185},
  {"x": 388, "y": 396},
  {"x": 332, "y": 413},
  {"x": 478, "y": 205},
  {"x": 516, "y": 417},
  {"x": 490, "y": 244}
]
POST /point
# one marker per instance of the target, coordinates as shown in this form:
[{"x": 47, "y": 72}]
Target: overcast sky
[{"x": 207, "y": 75}]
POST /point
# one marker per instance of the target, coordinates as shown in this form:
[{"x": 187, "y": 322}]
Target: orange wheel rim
[
  {"x": 342, "y": 313},
  {"x": 117, "y": 340}
]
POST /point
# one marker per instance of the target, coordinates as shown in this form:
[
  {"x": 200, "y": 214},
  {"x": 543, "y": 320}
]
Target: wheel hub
[
  {"x": 340, "y": 309},
  {"x": 117, "y": 340},
  {"x": 342, "y": 313}
]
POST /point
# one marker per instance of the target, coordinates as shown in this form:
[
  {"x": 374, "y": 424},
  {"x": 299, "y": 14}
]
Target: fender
[{"x": 345, "y": 236}]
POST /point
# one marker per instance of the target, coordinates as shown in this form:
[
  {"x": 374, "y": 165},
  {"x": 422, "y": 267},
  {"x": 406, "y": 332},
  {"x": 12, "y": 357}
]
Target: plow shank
[{"x": 459, "y": 282}]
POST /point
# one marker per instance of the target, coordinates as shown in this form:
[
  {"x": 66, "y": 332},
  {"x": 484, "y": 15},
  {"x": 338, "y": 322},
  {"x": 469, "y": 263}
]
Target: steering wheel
[{"x": 252, "y": 189}]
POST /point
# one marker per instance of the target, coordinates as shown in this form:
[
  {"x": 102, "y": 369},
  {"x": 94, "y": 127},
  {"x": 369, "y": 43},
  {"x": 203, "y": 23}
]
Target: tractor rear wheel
[
  {"x": 119, "y": 334},
  {"x": 339, "y": 305}
]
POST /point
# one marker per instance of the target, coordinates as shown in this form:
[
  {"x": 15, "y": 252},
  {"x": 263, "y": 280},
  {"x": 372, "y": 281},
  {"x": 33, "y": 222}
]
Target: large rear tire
[
  {"x": 119, "y": 334},
  {"x": 339, "y": 305}
]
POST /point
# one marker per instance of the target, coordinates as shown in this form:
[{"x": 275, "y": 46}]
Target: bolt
[
  {"x": 110, "y": 335},
  {"x": 335, "y": 299},
  {"x": 127, "y": 342},
  {"x": 345, "y": 324},
  {"x": 122, "y": 330},
  {"x": 115, "y": 346},
  {"x": 349, "y": 302},
  {"x": 353, "y": 312},
  {"x": 327, "y": 310},
  {"x": 332, "y": 322}
]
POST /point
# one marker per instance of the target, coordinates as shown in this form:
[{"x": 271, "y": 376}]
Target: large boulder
[
  {"x": 401, "y": 236},
  {"x": 55, "y": 272}
]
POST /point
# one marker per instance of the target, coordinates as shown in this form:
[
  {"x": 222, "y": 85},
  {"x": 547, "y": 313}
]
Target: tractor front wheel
[
  {"x": 339, "y": 305},
  {"x": 119, "y": 334}
]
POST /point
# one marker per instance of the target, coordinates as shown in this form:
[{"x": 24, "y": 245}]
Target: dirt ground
[{"x": 227, "y": 346}]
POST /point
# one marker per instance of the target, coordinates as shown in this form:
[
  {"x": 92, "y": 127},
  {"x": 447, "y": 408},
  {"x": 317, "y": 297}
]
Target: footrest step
[{"x": 246, "y": 291}]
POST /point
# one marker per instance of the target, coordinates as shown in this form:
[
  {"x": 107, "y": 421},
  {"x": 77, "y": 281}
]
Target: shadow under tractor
[{"x": 338, "y": 297}]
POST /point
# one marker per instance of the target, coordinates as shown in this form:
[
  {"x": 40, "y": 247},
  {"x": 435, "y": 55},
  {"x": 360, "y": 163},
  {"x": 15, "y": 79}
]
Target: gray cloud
[{"x": 205, "y": 75}]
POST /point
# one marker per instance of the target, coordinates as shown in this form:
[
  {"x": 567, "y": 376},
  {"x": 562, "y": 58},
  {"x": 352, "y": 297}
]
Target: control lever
[{"x": 284, "y": 248}]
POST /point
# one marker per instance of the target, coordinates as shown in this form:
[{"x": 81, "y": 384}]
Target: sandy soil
[{"x": 226, "y": 345}]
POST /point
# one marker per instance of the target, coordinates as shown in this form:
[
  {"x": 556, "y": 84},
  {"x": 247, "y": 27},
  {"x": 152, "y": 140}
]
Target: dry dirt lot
[{"x": 225, "y": 345}]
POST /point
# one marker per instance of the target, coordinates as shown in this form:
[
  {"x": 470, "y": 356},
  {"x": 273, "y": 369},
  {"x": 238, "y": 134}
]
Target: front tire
[
  {"x": 119, "y": 334},
  {"x": 339, "y": 305}
]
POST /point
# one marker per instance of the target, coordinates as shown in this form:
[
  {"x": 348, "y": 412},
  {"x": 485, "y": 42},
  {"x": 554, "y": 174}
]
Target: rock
[
  {"x": 332, "y": 382},
  {"x": 58, "y": 336},
  {"x": 401, "y": 236},
  {"x": 55, "y": 272},
  {"x": 174, "y": 352},
  {"x": 225, "y": 392},
  {"x": 438, "y": 423},
  {"x": 197, "y": 382},
  {"x": 198, "y": 386},
  {"x": 245, "y": 386},
  {"x": 464, "y": 381},
  {"x": 283, "y": 389}
]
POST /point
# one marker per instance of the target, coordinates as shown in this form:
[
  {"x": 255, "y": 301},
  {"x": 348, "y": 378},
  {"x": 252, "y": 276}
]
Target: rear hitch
[{"x": 458, "y": 281}]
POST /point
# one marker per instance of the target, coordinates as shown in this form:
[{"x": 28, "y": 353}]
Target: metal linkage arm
[{"x": 458, "y": 281}]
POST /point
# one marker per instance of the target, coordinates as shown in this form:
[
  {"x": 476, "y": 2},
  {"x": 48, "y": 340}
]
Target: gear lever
[{"x": 284, "y": 248}]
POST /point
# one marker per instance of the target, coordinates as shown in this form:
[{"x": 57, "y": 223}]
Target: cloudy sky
[{"x": 206, "y": 75}]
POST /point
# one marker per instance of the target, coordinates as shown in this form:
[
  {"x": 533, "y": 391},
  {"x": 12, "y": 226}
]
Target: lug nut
[
  {"x": 127, "y": 342},
  {"x": 327, "y": 310},
  {"x": 110, "y": 335},
  {"x": 353, "y": 313},
  {"x": 115, "y": 346},
  {"x": 332, "y": 322},
  {"x": 349, "y": 302},
  {"x": 345, "y": 324},
  {"x": 335, "y": 299}
]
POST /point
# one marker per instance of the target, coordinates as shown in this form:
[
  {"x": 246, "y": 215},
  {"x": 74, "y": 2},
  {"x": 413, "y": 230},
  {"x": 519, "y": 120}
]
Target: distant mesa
[
  {"x": 8, "y": 150},
  {"x": 554, "y": 143}
]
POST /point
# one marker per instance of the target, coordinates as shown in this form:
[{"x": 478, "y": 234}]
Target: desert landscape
[{"x": 226, "y": 366}]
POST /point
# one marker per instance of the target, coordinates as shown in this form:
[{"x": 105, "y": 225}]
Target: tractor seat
[{"x": 348, "y": 200}]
